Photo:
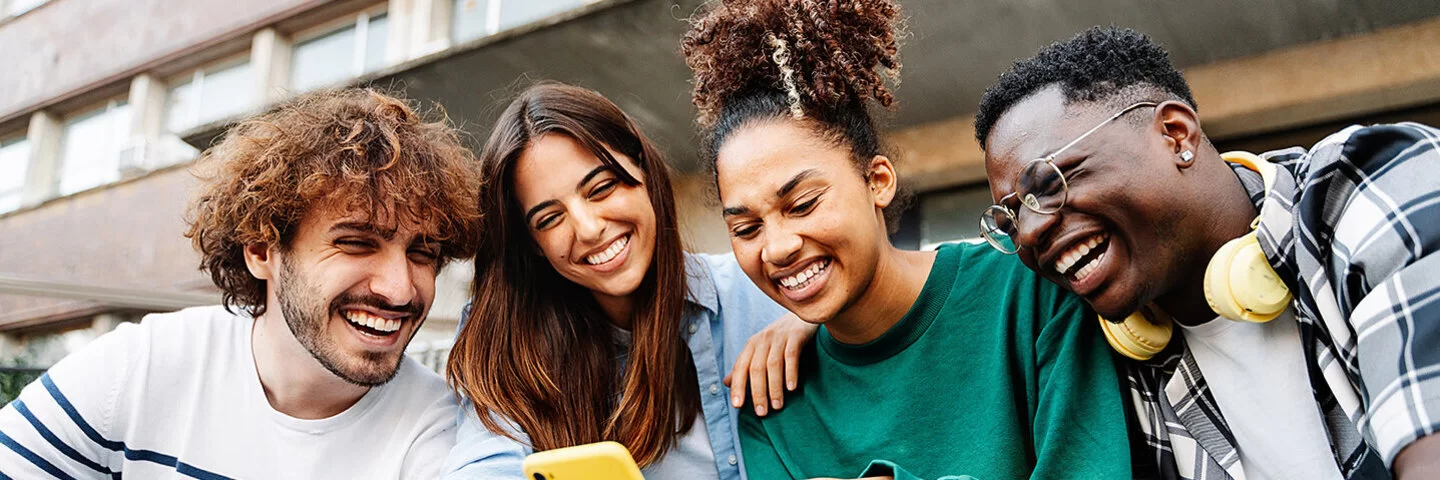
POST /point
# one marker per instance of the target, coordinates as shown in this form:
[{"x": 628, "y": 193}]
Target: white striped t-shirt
[{"x": 177, "y": 396}]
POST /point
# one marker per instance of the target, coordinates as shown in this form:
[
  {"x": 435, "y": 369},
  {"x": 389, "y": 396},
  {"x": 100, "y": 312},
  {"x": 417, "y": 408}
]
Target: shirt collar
[{"x": 702, "y": 290}]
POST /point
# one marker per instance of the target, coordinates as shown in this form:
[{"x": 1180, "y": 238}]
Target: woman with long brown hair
[{"x": 589, "y": 321}]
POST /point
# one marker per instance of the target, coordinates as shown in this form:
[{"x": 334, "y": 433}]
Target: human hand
[{"x": 770, "y": 357}]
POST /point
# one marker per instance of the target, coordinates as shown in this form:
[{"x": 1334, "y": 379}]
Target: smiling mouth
[
  {"x": 1082, "y": 259},
  {"x": 803, "y": 278},
  {"x": 370, "y": 324},
  {"x": 610, "y": 252}
]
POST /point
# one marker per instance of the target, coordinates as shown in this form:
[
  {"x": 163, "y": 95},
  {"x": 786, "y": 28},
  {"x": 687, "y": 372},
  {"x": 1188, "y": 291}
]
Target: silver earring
[{"x": 1187, "y": 157}]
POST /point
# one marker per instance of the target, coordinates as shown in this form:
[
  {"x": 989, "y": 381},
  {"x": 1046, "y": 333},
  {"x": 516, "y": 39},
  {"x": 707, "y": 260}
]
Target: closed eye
[
  {"x": 354, "y": 244},
  {"x": 603, "y": 189},
  {"x": 744, "y": 231},
  {"x": 547, "y": 221},
  {"x": 805, "y": 207},
  {"x": 424, "y": 256}
]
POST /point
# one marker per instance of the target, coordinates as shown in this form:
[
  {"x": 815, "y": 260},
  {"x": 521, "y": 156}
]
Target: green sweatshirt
[{"x": 993, "y": 373}]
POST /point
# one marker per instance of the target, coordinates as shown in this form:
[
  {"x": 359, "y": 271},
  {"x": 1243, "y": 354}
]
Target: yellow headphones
[{"x": 1240, "y": 285}]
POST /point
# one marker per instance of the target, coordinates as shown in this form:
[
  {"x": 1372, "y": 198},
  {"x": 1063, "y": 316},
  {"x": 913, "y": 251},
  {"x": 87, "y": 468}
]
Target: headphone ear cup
[
  {"x": 1240, "y": 285},
  {"x": 1141, "y": 336},
  {"x": 1254, "y": 283},
  {"x": 1217, "y": 281}
]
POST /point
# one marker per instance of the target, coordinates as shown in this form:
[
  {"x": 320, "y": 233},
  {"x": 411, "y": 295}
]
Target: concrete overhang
[{"x": 629, "y": 50}]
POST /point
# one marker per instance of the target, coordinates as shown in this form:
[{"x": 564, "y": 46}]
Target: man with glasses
[{"x": 1107, "y": 186}]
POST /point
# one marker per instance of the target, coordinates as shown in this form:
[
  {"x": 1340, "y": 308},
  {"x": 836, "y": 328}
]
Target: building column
[
  {"x": 42, "y": 177},
  {"x": 147, "y": 106},
  {"x": 270, "y": 62},
  {"x": 430, "y": 27}
]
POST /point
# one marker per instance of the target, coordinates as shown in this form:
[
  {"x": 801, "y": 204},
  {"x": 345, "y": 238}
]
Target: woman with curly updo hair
[{"x": 959, "y": 361}]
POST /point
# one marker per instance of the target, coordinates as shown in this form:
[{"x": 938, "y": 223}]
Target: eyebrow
[
  {"x": 733, "y": 211},
  {"x": 362, "y": 227},
  {"x": 583, "y": 181},
  {"x": 795, "y": 181},
  {"x": 784, "y": 190},
  {"x": 590, "y": 176},
  {"x": 537, "y": 208}
]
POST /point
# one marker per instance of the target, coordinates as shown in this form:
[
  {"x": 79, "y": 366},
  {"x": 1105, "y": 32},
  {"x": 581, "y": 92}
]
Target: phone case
[{"x": 595, "y": 461}]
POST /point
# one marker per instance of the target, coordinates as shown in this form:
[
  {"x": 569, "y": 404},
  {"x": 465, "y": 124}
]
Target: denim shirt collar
[{"x": 702, "y": 291}]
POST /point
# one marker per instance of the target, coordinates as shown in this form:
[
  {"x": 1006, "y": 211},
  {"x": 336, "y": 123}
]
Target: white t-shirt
[
  {"x": 1258, "y": 375},
  {"x": 177, "y": 396},
  {"x": 690, "y": 459}
]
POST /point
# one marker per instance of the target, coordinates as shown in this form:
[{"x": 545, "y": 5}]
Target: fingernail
[
  {"x": 775, "y": 404},
  {"x": 735, "y": 402},
  {"x": 790, "y": 385},
  {"x": 760, "y": 410}
]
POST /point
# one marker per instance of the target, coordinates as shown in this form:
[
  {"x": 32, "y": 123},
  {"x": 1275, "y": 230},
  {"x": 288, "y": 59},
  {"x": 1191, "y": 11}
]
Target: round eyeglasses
[{"x": 1041, "y": 188}]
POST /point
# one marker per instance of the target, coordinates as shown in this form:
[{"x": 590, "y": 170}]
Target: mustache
[{"x": 413, "y": 308}]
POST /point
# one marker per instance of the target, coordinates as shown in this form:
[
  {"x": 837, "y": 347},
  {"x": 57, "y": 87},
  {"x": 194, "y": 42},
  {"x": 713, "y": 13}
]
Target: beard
[{"x": 306, "y": 313}]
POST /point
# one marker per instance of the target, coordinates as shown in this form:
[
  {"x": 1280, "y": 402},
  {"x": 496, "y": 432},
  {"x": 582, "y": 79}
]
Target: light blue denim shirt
[{"x": 731, "y": 310}]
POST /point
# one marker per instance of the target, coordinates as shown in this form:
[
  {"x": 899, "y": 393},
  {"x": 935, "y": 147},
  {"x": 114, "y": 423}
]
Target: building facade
[{"x": 104, "y": 103}]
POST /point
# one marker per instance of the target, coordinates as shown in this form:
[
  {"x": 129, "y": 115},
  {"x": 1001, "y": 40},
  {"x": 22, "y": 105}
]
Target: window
[
  {"x": 90, "y": 148},
  {"x": 472, "y": 19},
  {"x": 951, "y": 215},
  {"x": 208, "y": 95},
  {"x": 352, "y": 50},
  {"x": 514, "y": 13},
  {"x": 10, "y": 8},
  {"x": 14, "y": 162}
]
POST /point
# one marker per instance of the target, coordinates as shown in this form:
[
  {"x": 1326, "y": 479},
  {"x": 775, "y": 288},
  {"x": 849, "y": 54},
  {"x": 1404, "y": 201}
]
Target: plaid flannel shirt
[{"x": 1352, "y": 226}]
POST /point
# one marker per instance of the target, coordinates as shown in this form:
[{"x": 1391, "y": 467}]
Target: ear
[
  {"x": 1181, "y": 127},
  {"x": 261, "y": 260},
  {"x": 882, "y": 180}
]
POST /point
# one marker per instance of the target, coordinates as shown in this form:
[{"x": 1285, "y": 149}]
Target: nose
[
  {"x": 1031, "y": 227},
  {"x": 392, "y": 278},
  {"x": 589, "y": 226},
  {"x": 781, "y": 247}
]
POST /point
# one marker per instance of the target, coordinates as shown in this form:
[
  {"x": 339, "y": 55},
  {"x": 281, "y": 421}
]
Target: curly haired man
[{"x": 323, "y": 222}]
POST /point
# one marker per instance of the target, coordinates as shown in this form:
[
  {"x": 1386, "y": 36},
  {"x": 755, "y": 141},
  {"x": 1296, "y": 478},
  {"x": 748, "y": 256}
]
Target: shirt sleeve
[
  {"x": 62, "y": 425},
  {"x": 1372, "y": 208},
  {"x": 761, "y": 459},
  {"x": 434, "y": 441},
  {"x": 1079, "y": 426},
  {"x": 481, "y": 454}
]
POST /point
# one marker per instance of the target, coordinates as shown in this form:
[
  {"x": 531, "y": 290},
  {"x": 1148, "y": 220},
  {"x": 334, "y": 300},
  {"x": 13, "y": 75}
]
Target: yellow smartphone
[{"x": 595, "y": 461}]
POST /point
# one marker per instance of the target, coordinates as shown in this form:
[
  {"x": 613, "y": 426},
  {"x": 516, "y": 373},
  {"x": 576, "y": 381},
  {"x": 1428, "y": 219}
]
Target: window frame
[
  {"x": 6, "y": 141},
  {"x": 196, "y": 76},
  {"x": 93, "y": 109},
  {"x": 360, "y": 22}
]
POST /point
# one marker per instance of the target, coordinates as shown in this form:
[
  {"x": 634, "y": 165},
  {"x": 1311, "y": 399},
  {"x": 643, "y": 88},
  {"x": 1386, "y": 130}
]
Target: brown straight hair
[{"x": 536, "y": 349}]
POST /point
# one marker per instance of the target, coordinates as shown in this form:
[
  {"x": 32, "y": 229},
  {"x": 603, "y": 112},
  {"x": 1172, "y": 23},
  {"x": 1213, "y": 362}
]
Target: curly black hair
[
  {"x": 1097, "y": 64},
  {"x": 819, "y": 61}
]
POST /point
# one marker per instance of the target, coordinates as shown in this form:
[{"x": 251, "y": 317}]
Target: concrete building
[{"x": 103, "y": 103}]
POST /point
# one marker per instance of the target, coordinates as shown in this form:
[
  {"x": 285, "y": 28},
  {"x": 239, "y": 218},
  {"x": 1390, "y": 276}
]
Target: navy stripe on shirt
[
  {"x": 34, "y": 458},
  {"x": 60, "y": 444},
  {"x": 135, "y": 455}
]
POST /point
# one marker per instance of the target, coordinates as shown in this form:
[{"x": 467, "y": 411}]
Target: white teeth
[
  {"x": 367, "y": 320},
  {"x": 1068, "y": 259},
  {"x": 803, "y": 277},
  {"x": 610, "y": 252}
]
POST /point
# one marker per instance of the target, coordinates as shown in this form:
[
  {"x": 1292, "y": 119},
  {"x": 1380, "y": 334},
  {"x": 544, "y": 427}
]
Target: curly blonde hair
[{"x": 356, "y": 149}]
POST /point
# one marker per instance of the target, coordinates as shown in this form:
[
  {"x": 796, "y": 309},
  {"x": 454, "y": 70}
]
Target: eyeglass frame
[{"x": 1034, "y": 204}]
